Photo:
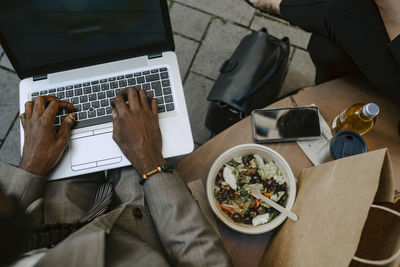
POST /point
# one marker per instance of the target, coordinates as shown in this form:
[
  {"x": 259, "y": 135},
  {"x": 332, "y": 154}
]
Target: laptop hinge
[
  {"x": 39, "y": 77},
  {"x": 152, "y": 56}
]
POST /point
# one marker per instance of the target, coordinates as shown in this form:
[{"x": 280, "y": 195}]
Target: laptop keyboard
[{"x": 92, "y": 99}]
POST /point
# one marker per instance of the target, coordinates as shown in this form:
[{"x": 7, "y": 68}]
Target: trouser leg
[
  {"x": 357, "y": 29},
  {"x": 330, "y": 61}
]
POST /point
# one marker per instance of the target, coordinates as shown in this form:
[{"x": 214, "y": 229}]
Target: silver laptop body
[{"x": 91, "y": 147}]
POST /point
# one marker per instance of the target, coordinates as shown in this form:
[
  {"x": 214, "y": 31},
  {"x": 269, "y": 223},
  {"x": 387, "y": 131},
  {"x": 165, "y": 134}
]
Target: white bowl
[{"x": 267, "y": 154}]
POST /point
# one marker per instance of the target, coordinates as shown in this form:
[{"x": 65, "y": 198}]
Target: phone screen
[{"x": 286, "y": 124}]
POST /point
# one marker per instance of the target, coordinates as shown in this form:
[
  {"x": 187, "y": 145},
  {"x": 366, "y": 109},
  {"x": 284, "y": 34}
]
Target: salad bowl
[{"x": 267, "y": 154}]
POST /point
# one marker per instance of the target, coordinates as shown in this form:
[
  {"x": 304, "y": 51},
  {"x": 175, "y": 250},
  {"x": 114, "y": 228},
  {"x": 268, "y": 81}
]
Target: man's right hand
[
  {"x": 43, "y": 145},
  {"x": 136, "y": 129}
]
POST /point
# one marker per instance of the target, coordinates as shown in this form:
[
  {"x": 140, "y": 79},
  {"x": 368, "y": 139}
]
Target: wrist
[
  {"x": 32, "y": 169},
  {"x": 151, "y": 165}
]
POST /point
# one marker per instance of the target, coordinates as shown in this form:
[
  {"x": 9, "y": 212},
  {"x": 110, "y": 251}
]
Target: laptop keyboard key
[
  {"x": 82, "y": 115},
  {"x": 52, "y": 95},
  {"x": 78, "y": 92},
  {"x": 69, "y": 93},
  {"x": 165, "y": 83},
  {"x": 140, "y": 80},
  {"x": 74, "y": 100},
  {"x": 92, "y": 97},
  {"x": 145, "y": 72},
  {"x": 137, "y": 74},
  {"x": 69, "y": 87},
  {"x": 43, "y": 92},
  {"x": 122, "y": 83},
  {"x": 83, "y": 99},
  {"x": 114, "y": 85},
  {"x": 163, "y": 69},
  {"x": 154, "y": 71},
  {"x": 94, "y": 82},
  {"x": 164, "y": 75},
  {"x": 160, "y": 100},
  {"x": 170, "y": 106},
  {"x": 35, "y": 94},
  {"x": 150, "y": 93},
  {"x": 168, "y": 99},
  {"x": 103, "y": 80},
  {"x": 131, "y": 81},
  {"x": 60, "y": 95},
  {"x": 96, "y": 104},
  {"x": 91, "y": 113},
  {"x": 52, "y": 90},
  {"x": 101, "y": 95},
  {"x": 87, "y": 90},
  {"x": 78, "y": 85},
  {"x": 105, "y": 86},
  {"x": 86, "y": 84},
  {"x": 60, "y": 89},
  {"x": 78, "y": 108},
  {"x": 167, "y": 90},
  {"x": 86, "y": 106},
  {"x": 129, "y": 76},
  {"x": 146, "y": 86},
  {"x": 120, "y": 77},
  {"x": 96, "y": 88},
  {"x": 110, "y": 93},
  {"x": 152, "y": 78},
  {"x": 104, "y": 103},
  {"x": 161, "y": 109},
  {"x": 101, "y": 112},
  {"x": 111, "y": 79},
  {"x": 92, "y": 121},
  {"x": 109, "y": 110}
]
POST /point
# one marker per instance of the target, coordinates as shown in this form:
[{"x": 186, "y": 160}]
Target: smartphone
[{"x": 285, "y": 124}]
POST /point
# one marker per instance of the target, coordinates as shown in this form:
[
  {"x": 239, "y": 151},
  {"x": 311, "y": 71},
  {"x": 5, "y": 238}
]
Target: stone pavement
[{"x": 206, "y": 33}]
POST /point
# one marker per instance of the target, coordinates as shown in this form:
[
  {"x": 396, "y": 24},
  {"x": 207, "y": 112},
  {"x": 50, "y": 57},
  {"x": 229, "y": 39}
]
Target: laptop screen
[{"x": 63, "y": 33}]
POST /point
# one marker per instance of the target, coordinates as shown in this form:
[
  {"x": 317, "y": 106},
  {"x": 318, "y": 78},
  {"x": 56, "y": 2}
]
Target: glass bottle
[{"x": 359, "y": 118}]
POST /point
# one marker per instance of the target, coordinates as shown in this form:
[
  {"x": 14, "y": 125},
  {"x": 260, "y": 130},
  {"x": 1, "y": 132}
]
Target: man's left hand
[{"x": 43, "y": 145}]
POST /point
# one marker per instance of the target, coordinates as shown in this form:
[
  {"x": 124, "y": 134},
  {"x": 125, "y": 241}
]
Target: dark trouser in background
[{"x": 348, "y": 37}]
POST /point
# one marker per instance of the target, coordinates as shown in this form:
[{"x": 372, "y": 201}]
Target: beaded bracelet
[{"x": 145, "y": 176}]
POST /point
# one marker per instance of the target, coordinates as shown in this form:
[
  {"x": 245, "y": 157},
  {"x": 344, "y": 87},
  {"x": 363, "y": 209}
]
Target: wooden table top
[{"x": 331, "y": 98}]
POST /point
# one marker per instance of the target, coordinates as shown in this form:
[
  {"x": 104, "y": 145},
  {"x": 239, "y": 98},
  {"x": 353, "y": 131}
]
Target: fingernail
[
  {"x": 114, "y": 114},
  {"x": 72, "y": 117}
]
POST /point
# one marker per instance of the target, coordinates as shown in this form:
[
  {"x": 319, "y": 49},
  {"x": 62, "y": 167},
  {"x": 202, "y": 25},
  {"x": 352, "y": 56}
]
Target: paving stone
[
  {"x": 188, "y": 21},
  {"x": 9, "y": 101},
  {"x": 219, "y": 44},
  {"x": 279, "y": 29},
  {"x": 196, "y": 90},
  {"x": 6, "y": 63},
  {"x": 185, "y": 50},
  {"x": 235, "y": 10},
  {"x": 301, "y": 72},
  {"x": 10, "y": 151}
]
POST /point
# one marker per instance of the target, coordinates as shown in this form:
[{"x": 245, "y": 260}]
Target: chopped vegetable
[{"x": 233, "y": 186}]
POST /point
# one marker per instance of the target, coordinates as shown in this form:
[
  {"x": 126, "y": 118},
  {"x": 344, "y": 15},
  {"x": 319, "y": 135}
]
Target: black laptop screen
[{"x": 43, "y": 32}]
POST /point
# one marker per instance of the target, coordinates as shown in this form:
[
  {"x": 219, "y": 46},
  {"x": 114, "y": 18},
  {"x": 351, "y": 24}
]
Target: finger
[
  {"x": 50, "y": 112},
  {"x": 23, "y": 120},
  {"x": 133, "y": 98},
  {"x": 144, "y": 101},
  {"x": 29, "y": 109},
  {"x": 154, "y": 107},
  {"x": 119, "y": 103},
  {"x": 65, "y": 128},
  {"x": 38, "y": 107}
]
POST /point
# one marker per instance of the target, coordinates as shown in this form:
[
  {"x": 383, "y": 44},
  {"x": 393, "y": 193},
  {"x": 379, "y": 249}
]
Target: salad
[{"x": 233, "y": 185}]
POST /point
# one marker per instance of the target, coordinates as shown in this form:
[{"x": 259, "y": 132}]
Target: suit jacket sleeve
[
  {"x": 394, "y": 47},
  {"x": 184, "y": 232},
  {"x": 23, "y": 185}
]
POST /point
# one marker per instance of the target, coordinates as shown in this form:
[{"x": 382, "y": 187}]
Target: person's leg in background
[
  {"x": 356, "y": 28},
  {"x": 330, "y": 61}
]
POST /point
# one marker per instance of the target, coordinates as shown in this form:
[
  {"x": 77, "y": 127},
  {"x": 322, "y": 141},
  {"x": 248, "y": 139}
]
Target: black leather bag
[{"x": 252, "y": 78}]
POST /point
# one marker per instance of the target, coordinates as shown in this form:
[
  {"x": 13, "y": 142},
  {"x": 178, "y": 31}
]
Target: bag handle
[
  {"x": 275, "y": 66},
  {"x": 385, "y": 261}
]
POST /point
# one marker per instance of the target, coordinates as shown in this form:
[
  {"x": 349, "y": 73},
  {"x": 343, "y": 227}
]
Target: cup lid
[{"x": 347, "y": 143}]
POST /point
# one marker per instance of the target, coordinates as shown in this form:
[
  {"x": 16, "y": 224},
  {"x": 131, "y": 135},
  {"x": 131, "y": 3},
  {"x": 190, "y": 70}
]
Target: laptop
[{"x": 85, "y": 52}]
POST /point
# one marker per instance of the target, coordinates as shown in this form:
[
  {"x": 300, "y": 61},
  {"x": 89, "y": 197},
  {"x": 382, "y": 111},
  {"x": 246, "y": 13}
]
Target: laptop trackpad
[{"x": 94, "y": 151}]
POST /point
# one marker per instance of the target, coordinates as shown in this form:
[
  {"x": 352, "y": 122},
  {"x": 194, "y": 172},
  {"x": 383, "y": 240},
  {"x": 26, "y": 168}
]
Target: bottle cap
[
  {"x": 347, "y": 143},
  {"x": 370, "y": 110}
]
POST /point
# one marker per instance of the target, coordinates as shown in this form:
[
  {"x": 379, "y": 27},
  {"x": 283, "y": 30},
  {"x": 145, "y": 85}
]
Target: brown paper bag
[{"x": 333, "y": 203}]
